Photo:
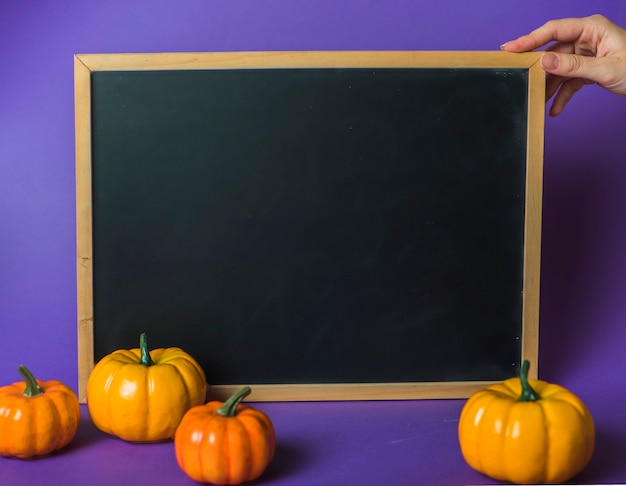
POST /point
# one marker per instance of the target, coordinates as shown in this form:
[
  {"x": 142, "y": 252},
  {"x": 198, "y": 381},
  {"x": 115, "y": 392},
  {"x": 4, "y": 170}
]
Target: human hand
[{"x": 590, "y": 50}]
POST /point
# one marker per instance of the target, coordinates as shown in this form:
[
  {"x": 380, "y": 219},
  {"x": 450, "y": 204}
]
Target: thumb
[{"x": 571, "y": 66}]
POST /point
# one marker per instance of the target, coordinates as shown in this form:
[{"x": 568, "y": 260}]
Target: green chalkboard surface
[{"x": 307, "y": 226}]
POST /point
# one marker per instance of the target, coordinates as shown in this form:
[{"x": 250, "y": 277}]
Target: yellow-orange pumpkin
[
  {"x": 141, "y": 396},
  {"x": 526, "y": 431}
]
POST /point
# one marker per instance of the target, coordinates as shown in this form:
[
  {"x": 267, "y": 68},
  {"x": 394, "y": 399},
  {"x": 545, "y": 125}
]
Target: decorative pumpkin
[
  {"x": 36, "y": 417},
  {"x": 526, "y": 431},
  {"x": 225, "y": 443},
  {"x": 140, "y": 396}
]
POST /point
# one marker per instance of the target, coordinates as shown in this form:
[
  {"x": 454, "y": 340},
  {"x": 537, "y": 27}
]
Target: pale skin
[{"x": 589, "y": 50}]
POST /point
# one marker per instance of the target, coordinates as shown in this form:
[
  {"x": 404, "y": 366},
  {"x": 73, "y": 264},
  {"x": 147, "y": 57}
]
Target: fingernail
[
  {"x": 550, "y": 62},
  {"x": 504, "y": 45}
]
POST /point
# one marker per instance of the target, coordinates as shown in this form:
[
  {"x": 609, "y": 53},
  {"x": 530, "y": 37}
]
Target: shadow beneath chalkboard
[{"x": 288, "y": 459}]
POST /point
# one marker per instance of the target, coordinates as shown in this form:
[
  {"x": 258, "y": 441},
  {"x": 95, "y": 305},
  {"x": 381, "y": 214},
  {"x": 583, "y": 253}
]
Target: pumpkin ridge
[
  {"x": 167, "y": 355},
  {"x": 181, "y": 378},
  {"x": 8, "y": 419},
  {"x": 187, "y": 370},
  {"x": 188, "y": 392},
  {"x": 508, "y": 410},
  {"x": 255, "y": 427},
  {"x": 69, "y": 421},
  {"x": 26, "y": 439},
  {"x": 547, "y": 438},
  {"x": 59, "y": 423},
  {"x": 476, "y": 452},
  {"x": 199, "y": 447},
  {"x": 585, "y": 418},
  {"x": 243, "y": 430},
  {"x": 508, "y": 385},
  {"x": 228, "y": 463},
  {"x": 27, "y": 409},
  {"x": 105, "y": 397},
  {"x": 146, "y": 389},
  {"x": 125, "y": 356},
  {"x": 563, "y": 395}
]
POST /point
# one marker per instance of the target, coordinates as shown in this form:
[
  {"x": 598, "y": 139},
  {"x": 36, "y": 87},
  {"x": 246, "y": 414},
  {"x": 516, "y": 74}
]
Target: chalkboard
[{"x": 315, "y": 225}]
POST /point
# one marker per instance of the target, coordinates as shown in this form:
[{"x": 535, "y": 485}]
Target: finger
[
  {"x": 565, "y": 93},
  {"x": 553, "y": 84},
  {"x": 562, "y": 30},
  {"x": 604, "y": 71},
  {"x": 573, "y": 66},
  {"x": 562, "y": 48}
]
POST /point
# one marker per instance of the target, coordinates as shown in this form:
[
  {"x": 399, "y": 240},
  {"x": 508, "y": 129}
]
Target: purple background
[{"x": 584, "y": 237}]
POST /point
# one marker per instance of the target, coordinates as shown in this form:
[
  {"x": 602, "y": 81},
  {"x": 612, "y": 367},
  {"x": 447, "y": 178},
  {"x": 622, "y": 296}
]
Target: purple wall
[{"x": 583, "y": 313}]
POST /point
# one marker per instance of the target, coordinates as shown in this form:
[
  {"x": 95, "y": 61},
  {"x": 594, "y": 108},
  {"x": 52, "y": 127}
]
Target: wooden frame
[{"x": 86, "y": 64}]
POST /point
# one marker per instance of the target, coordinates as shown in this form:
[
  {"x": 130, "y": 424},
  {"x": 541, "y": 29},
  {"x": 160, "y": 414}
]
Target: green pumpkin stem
[
  {"x": 145, "y": 359},
  {"x": 229, "y": 408},
  {"x": 528, "y": 393},
  {"x": 32, "y": 387}
]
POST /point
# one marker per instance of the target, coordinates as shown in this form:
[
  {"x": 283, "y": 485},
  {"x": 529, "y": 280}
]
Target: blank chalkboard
[{"x": 315, "y": 225}]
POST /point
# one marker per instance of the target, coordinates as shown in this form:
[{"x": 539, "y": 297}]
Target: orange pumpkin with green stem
[
  {"x": 141, "y": 396},
  {"x": 526, "y": 431},
  {"x": 225, "y": 443},
  {"x": 36, "y": 417}
]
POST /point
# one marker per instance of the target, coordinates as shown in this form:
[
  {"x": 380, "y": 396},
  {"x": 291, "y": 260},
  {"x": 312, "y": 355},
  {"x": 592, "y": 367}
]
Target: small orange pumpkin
[
  {"x": 36, "y": 417},
  {"x": 225, "y": 443}
]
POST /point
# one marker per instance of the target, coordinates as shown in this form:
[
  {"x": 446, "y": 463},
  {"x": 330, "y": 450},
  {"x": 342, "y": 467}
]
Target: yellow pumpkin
[
  {"x": 141, "y": 396},
  {"x": 526, "y": 431},
  {"x": 36, "y": 417}
]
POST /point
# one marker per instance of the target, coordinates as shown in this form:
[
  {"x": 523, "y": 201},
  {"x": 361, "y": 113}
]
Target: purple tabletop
[{"x": 366, "y": 443}]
